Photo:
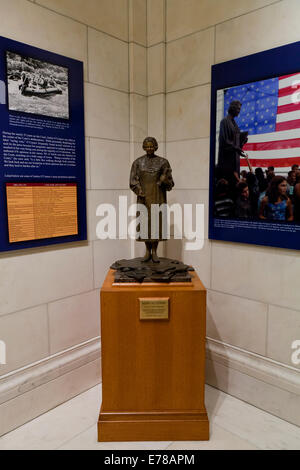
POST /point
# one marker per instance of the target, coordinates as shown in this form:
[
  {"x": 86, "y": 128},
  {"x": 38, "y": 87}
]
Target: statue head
[
  {"x": 234, "y": 108},
  {"x": 150, "y": 145}
]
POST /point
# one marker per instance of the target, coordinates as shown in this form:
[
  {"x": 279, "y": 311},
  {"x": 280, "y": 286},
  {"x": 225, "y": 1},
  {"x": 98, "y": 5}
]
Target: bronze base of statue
[{"x": 137, "y": 270}]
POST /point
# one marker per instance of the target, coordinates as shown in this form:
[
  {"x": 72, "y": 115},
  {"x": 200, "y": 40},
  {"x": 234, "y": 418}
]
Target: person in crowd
[
  {"x": 52, "y": 82},
  {"x": 254, "y": 192},
  {"x": 291, "y": 181},
  {"x": 45, "y": 83},
  {"x": 223, "y": 206},
  {"x": 25, "y": 81},
  {"x": 297, "y": 199},
  {"x": 276, "y": 205},
  {"x": 244, "y": 175},
  {"x": 262, "y": 181},
  {"x": 295, "y": 167},
  {"x": 34, "y": 80},
  {"x": 243, "y": 207},
  {"x": 270, "y": 173},
  {"x": 41, "y": 81}
]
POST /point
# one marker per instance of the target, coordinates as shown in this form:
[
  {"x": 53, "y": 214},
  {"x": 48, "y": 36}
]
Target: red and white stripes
[{"x": 281, "y": 148}]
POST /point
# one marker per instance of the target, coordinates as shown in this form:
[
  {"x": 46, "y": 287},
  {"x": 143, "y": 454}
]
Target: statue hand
[{"x": 164, "y": 177}]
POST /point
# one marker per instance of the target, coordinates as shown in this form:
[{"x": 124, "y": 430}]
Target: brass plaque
[{"x": 154, "y": 308}]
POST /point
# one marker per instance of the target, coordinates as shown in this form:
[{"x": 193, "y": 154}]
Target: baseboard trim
[
  {"x": 271, "y": 372},
  {"x": 274, "y": 373},
  {"x": 17, "y": 387},
  {"x": 22, "y": 381}
]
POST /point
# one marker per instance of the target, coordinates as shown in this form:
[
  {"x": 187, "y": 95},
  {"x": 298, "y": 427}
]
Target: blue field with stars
[{"x": 259, "y": 105}]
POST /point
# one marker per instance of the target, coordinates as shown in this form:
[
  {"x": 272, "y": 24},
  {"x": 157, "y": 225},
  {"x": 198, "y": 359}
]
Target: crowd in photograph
[
  {"x": 36, "y": 80},
  {"x": 260, "y": 194}
]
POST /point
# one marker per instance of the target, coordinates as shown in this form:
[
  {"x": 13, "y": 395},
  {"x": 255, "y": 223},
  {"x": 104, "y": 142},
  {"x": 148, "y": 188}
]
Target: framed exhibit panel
[
  {"x": 42, "y": 150},
  {"x": 255, "y": 149}
]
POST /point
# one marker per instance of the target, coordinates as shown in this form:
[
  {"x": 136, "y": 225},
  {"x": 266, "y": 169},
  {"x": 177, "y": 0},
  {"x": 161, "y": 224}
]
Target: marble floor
[{"x": 234, "y": 424}]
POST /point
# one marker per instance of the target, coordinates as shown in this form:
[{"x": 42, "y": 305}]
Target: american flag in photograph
[{"x": 271, "y": 114}]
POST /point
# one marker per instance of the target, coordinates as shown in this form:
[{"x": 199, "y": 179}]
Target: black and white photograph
[{"x": 37, "y": 87}]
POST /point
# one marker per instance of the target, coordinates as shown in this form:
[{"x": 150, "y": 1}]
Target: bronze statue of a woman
[{"x": 150, "y": 179}]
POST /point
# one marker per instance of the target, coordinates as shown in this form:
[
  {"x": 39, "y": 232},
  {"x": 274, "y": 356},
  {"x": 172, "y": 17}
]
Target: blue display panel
[
  {"x": 42, "y": 133},
  {"x": 268, "y": 86}
]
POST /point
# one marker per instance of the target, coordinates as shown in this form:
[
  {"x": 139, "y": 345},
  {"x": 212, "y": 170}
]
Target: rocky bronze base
[{"x": 137, "y": 270}]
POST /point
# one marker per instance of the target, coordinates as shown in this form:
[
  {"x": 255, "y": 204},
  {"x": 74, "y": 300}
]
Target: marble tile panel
[
  {"x": 188, "y": 113},
  {"x": 110, "y": 164},
  {"x": 74, "y": 320},
  {"x": 189, "y": 60},
  {"x": 138, "y": 21},
  {"x": 109, "y": 16},
  {"x": 138, "y": 69},
  {"x": 108, "y": 60},
  {"x": 237, "y": 321},
  {"x": 36, "y": 277},
  {"x": 156, "y": 117},
  {"x": 189, "y": 160},
  {"x": 186, "y": 17},
  {"x": 106, "y": 113},
  {"x": 156, "y": 21},
  {"x": 25, "y": 334},
  {"x": 260, "y": 30},
  {"x": 156, "y": 69}
]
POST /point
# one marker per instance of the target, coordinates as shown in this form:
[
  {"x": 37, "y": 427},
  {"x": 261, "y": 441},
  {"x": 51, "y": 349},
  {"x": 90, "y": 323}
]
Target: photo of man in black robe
[{"x": 231, "y": 141}]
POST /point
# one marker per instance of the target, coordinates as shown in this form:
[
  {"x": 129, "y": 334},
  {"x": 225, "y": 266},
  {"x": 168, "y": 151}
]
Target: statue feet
[
  {"x": 151, "y": 248},
  {"x": 147, "y": 256},
  {"x": 155, "y": 258}
]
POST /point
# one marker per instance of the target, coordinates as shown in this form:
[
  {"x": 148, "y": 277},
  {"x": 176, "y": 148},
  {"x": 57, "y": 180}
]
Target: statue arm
[
  {"x": 166, "y": 178},
  {"x": 134, "y": 181}
]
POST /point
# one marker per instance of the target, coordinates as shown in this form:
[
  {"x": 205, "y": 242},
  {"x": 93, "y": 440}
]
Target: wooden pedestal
[{"x": 153, "y": 370}]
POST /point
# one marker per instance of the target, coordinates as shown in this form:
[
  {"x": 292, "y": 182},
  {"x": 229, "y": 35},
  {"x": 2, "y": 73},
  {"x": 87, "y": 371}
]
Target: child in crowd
[
  {"x": 243, "y": 207},
  {"x": 223, "y": 202},
  {"x": 276, "y": 205}
]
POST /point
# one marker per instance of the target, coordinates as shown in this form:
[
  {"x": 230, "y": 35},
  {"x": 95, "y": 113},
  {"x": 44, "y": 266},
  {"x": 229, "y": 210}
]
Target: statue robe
[
  {"x": 229, "y": 143},
  {"x": 145, "y": 177}
]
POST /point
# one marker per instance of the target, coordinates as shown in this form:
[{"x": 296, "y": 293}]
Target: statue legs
[
  {"x": 155, "y": 258},
  {"x": 147, "y": 256},
  {"x": 151, "y": 252}
]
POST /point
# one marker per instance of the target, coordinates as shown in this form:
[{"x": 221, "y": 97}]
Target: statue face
[
  {"x": 235, "y": 109},
  {"x": 238, "y": 109},
  {"x": 149, "y": 148}
]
